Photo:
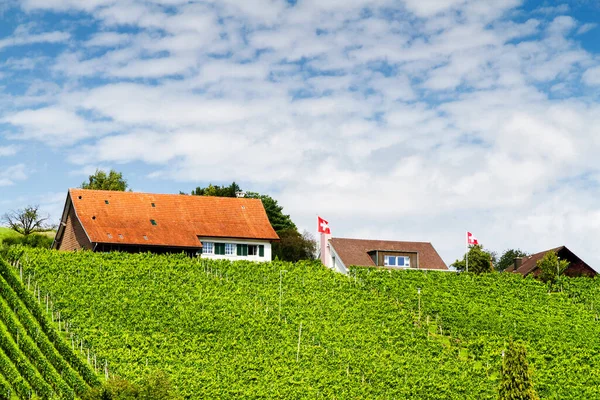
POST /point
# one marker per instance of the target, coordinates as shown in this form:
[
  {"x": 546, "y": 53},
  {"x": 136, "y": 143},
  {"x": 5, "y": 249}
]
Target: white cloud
[
  {"x": 11, "y": 174},
  {"x": 6, "y": 151},
  {"x": 592, "y": 76},
  {"x": 414, "y": 125}
]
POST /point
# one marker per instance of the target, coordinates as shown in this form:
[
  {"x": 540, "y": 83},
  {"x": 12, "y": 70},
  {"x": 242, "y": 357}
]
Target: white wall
[{"x": 234, "y": 257}]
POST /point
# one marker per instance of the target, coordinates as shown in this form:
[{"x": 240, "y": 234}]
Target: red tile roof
[
  {"x": 126, "y": 218},
  {"x": 355, "y": 251}
]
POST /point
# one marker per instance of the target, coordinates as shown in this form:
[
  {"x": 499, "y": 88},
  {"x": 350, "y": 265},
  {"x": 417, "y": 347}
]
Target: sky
[{"x": 412, "y": 120}]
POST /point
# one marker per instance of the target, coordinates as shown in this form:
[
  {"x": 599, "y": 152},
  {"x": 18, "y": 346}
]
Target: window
[
  {"x": 153, "y": 222},
  {"x": 252, "y": 250},
  {"x": 153, "y": 205},
  {"x": 229, "y": 249},
  {"x": 396, "y": 261},
  {"x": 207, "y": 248},
  {"x": 242, "y": 249},
  {"x": 219, "y": 248},
  {"x": 105, "y": 201}
]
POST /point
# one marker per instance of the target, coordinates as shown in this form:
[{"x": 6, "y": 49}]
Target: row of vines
[
  {"x": 35, "y": 360},
  {"x": 282, "y": 330}
]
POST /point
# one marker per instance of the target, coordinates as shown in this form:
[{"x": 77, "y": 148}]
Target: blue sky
[{"x": 406, "y": 120}]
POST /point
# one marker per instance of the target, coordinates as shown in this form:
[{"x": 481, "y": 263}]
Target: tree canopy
[
  {"x": 100, "y": 180},
  {"x": 26, "y": 221},
  {"x": 551, "y": 267},
  {"x": 508, "y": 258},
  {"x": 516, "y": 383},
  {"x": 216, "y": 190},
  {"x": 480, "y": 261}
]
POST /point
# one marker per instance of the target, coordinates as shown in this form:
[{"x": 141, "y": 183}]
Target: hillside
[
  {"x": 34, "y": 357},
  {"x": 6, "y": 232},
  {"x": 285, "y": 330}
]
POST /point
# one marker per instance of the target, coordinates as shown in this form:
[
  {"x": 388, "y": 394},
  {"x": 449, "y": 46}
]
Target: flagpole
[{"x": 467, "y": 251}]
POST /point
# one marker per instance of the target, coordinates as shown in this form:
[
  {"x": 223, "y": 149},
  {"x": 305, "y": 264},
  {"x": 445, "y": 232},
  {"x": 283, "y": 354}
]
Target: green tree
[
  {"x": 26, "y": 221},
  {"x": 508, "y": 259},
  {"x": 480, "y": 261},
  {"x": 551, "y": 267},
  {"x": 219, "y": 191},
  {"x": 279, "y": 221},
  {"x": 294, "y": 246},
  {"x": 516, "y": 383},
  {"x": 100, "y": 180}
]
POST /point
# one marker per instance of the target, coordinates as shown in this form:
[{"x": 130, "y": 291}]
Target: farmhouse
[
  {"x": 343, "y": 253},
  {"x": 528, "y": 265},
  {"x": 215, "y": 227}
]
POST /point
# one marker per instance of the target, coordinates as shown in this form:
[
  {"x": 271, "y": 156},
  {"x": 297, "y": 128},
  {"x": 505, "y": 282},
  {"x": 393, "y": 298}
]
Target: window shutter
[
  {"x": 220, "y": 248},
  {"x": 261, "y": 250},
  {"x": 240, "y": 252},
  {"x": 245, "y": 249}
]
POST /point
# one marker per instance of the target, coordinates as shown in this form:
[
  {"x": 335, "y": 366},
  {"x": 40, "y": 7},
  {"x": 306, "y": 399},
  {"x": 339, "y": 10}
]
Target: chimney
[{"x": 518, "y": 262}]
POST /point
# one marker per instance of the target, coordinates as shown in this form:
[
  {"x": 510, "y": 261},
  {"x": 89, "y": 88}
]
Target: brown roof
[
  {"x": 355, "y": 251},
  {"x": 126, "y": 218},
  {"x": 529, "y": 264}
]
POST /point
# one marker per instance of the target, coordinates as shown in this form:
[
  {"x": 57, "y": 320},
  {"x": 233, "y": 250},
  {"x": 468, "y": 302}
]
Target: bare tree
[{"x": 26, "y": 221}]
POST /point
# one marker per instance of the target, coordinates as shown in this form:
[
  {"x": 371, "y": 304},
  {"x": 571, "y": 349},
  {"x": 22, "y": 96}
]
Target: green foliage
[
  {"x": 293, "y": 246},
  {"x": 35, "y": 361},
  {"x": 155, "y": 386},
  {"x": 508, "y": 259},
  {"x": 218, "y": 330},
  {"x": 26, "y": 221},
  {"x": 480, "y": 261},
  {"x": 279, "y": 221},
  {"x": 216, "y": 190},
  {"x": 551, "y": 267},
  {"x": 100, "y": 180},
  {"x": 33, "y": 240},
  {"x": 516, "y": 381}
]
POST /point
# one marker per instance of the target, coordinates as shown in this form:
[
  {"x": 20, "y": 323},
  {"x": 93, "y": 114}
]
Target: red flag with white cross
[
  {"x": 471, "y": 240},
  {"x": 323, "y": 226}
]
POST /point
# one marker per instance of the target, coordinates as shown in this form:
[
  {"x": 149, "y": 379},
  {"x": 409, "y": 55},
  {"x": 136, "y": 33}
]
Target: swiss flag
[
  {"x": 471, "y": 240},
  {"x": 324, "y": 226}
]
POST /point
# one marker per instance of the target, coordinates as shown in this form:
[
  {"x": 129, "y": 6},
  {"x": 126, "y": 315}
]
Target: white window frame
[
  {"x": 386, "y": 262},
  {"x": 255, "y": 247},
  {"x": 230, "y": 249},
  {"x": 206, "y": 246}
]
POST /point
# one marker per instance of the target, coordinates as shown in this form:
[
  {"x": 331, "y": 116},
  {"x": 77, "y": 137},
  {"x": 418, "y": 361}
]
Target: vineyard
[
  {"x": 282, "y": 330},
  {"x": 35, "y": 359}
]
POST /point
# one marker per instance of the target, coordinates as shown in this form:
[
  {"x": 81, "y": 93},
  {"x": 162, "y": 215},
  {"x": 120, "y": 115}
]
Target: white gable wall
[{"x": 235, "y": 242}]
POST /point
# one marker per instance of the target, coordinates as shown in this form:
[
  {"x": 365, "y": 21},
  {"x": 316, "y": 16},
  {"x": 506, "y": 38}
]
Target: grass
[{"x": 7, "y": 232}]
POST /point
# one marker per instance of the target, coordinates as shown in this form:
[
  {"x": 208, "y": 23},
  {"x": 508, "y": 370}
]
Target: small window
[
  {"x": 105, "y": 201},
  {"x": 389, "y": 261},
  {"x": 153, "y": 205},
  {"x": 145, "y": 237},
  {"x": 79, "y": 197},
  {"x": 252, "y": 250},
  {"x": 219, "y": 248},
  {"x": 229, "y": 249},
  {"x": 109, "y": 235},
  {"x": 120, "y": 236},
  {"x": 153, "y": 222},
  {"x": 207, "y": 248}
]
